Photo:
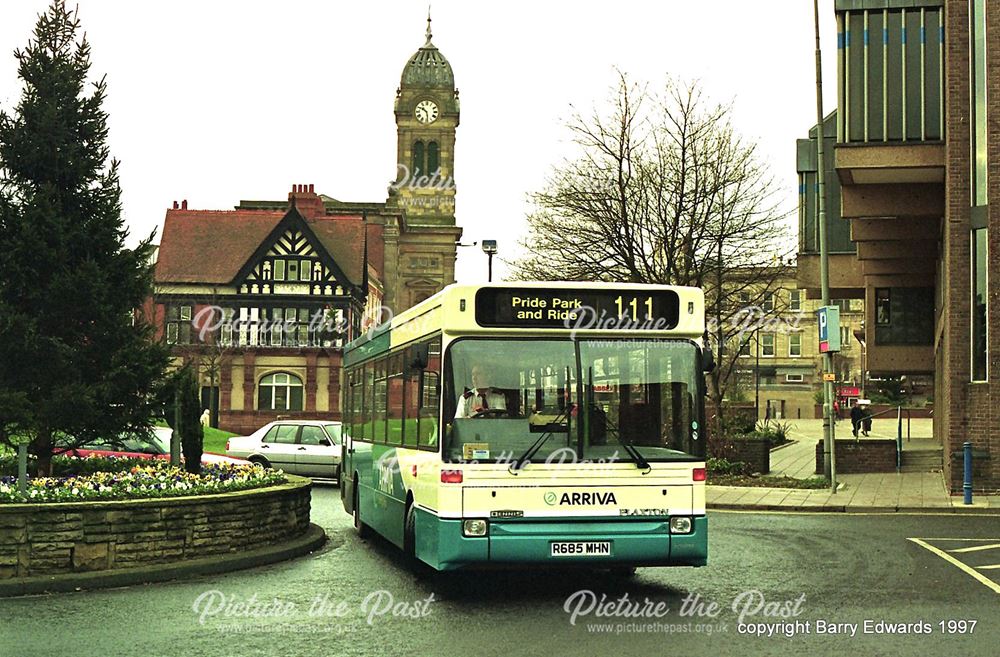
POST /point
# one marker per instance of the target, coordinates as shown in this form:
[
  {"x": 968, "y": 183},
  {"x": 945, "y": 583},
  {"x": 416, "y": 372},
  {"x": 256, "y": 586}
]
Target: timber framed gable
[{"x": 293, "y": 261}]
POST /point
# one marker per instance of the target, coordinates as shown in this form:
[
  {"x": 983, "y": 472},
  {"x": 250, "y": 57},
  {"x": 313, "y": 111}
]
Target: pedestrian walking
[
  {"x": 856, "y": 417},
  {"x": 866, "y": 422}
]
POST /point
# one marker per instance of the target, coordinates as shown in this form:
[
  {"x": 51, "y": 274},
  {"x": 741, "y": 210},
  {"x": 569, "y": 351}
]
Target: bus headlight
[
  {"x": 680, "y": 525},
  {"x": 474, "y": 527}
]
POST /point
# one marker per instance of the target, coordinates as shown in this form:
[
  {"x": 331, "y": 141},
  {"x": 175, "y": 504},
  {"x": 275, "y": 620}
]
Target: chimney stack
[
  {"x": 184, "y": 204},
  {"x": 307, "y": 202},
  {"x": 176, "y": 205}
]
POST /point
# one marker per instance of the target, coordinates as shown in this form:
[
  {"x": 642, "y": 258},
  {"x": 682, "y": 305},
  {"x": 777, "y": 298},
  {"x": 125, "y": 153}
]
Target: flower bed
[{"x": 126, "y": 479}]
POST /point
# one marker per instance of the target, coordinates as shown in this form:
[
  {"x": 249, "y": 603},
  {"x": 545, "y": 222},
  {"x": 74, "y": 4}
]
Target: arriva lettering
[{"x": 577, "y": 499}]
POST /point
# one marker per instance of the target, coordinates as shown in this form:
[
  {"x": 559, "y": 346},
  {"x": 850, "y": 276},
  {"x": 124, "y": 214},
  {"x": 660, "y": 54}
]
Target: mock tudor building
[
  {"x": 913, "y": 208},
  {"x": 262, "y": 298}
]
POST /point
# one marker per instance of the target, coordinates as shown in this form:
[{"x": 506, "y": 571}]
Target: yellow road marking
[
  {"x": 977, "y": 548},
  {"x": 962, "y": 539},
  {"x": 985, "y": 581}
]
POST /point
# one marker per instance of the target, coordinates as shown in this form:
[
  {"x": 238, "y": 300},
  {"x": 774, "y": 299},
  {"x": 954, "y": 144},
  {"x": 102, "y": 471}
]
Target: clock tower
[
  {"x": 426, "y": 118},
  {"x": 423, "y": 191}
]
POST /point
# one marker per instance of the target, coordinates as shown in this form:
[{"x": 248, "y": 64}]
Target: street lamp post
[
  {"x": 756, "y": 376},
  {"x": 490, "y": 249},
  {"x": 829, "y": 436}
]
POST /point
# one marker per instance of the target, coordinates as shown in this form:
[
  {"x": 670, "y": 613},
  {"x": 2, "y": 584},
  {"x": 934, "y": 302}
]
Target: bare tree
[{"x": 665, "y": 191}]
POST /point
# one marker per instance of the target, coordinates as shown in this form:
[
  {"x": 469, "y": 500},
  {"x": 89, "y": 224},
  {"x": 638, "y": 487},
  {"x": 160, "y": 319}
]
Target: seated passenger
[{"x": 482, "y": 398}]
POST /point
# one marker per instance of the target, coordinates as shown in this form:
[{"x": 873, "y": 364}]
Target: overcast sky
[{"x": 214, "y": 101}]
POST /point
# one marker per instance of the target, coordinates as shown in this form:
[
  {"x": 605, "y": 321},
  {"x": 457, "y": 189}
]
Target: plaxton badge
[{"x": 643, "y": 512}]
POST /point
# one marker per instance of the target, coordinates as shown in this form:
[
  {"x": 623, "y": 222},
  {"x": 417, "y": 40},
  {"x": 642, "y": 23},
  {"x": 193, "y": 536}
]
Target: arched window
[
  {"x": 418, "y": 161},
  {"x": 433, "y": 160},
  {"x": 280, "y": 391}
]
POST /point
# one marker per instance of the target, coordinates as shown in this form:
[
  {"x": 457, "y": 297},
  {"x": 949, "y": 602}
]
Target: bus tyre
[
  {"x": 359, "y": 527},
  {"x": 409, "y": 536},
  {"x": 624, "y": 572}
]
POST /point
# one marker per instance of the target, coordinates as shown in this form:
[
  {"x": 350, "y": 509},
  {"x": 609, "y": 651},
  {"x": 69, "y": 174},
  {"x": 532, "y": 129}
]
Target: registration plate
[{"x": 581, "y": 549}]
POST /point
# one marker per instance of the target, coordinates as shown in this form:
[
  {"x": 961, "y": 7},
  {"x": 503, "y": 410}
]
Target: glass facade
[
  {"x": 838, "y": 231},
  {"x": 979, "y": 304},
  {"x": 980, "y": 199},
  {"x": 904, "y": 316},
  {"x": 977, "y": 31},
  {"x": 890, "y": 64}
]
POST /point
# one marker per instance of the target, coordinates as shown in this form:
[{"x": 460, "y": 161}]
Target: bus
[{"x": 532, "y": 423}]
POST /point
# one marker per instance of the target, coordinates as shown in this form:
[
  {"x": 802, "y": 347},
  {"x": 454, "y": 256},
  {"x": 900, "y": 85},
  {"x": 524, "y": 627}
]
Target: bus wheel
[
  {"x": 623, "y": 572},
  {"x": 409, "y": 536},
  {"x": 359, "y": 527}
]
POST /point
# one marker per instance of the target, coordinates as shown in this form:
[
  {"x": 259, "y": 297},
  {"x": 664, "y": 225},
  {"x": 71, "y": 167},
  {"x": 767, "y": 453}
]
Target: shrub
[
  {"x": 776, "y": 432},
  {"x": 725, "y": 467}
]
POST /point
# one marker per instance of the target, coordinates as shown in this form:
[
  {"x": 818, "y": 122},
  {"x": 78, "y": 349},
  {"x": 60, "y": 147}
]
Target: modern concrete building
[{"x": 913, "y": 212}]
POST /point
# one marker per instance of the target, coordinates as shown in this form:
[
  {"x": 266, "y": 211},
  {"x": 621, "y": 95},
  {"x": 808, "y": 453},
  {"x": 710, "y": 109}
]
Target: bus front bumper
[{"x": 640, "y": 542}]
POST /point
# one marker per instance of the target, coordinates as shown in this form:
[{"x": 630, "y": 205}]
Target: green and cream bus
[{"x": 532, "y": 422}]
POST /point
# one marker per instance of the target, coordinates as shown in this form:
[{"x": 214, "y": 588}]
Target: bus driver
[{"x": 481, "y": 399}]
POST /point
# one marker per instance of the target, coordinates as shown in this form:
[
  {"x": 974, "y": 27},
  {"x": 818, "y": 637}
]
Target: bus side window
[
  {"x": 429, "y": 410},
  {"x": 430, "y": 397},
  {"x": 367, "y": 388},
  {"x": 395, "y": 400},
  {"x": 380, "y": 401}
]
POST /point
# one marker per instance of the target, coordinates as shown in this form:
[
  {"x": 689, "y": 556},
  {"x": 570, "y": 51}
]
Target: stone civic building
[
  {"x": 262, "y": 298},
  {"x": 913, "y": 208},
  {"x": 780, "y": 368}
]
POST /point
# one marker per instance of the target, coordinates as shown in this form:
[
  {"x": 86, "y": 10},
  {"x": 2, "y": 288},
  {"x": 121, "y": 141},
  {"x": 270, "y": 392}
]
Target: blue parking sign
[{"x": 829, "y": 329}]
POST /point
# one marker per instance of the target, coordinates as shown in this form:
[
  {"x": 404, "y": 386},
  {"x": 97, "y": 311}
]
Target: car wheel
[
  {"x": 261, "y": 461},
  {"x": 359, "y": 527}
]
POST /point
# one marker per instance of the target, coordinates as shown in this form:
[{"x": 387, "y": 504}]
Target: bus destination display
[{"x": 577, "y": 309}]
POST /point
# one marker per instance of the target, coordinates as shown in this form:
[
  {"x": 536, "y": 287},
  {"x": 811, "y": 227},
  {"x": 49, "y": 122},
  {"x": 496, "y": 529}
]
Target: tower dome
[{"x": 428, "y": 67}]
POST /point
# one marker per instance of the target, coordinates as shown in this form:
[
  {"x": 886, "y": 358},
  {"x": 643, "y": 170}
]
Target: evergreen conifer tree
[{"x": 77, "y": 361}]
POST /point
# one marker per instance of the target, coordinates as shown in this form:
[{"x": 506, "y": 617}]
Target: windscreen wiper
[
  {"x": 537, "y": 445},
  {"x": 640, "y": 460}
]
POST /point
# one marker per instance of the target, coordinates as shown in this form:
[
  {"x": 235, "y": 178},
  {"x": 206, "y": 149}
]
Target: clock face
[{"x": 426, "y": 111}]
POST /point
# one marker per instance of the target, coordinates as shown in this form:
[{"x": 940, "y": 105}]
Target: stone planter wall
[
  {"x": 46, "y": 539},
  {"x": 855, "y": 457},
  {"x": 755, "y": 452}
]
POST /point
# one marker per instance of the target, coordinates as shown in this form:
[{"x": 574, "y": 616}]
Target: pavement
[{"x": 877, "y": 492}]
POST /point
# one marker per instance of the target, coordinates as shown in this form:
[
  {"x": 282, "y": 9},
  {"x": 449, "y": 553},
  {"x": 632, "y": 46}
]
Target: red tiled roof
[{"x": 208, "y": 246}]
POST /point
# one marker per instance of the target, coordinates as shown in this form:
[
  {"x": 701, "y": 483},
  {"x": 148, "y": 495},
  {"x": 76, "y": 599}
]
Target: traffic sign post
[{"x": 829, "y": 343}]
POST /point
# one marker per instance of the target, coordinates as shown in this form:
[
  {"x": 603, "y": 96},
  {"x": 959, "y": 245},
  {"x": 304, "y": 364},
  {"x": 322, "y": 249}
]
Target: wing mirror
[
  {"x": 707, "y": 361},
  {"x": 418, "y": 358}
]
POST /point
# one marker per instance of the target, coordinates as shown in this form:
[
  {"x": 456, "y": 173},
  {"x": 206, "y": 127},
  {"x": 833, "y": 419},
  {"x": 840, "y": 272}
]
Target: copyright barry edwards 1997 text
[{"x": 867, "y": 626}]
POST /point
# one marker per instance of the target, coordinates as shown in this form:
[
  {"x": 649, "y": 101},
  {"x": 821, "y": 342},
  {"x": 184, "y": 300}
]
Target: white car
[{"x": 303, "y": 447}]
